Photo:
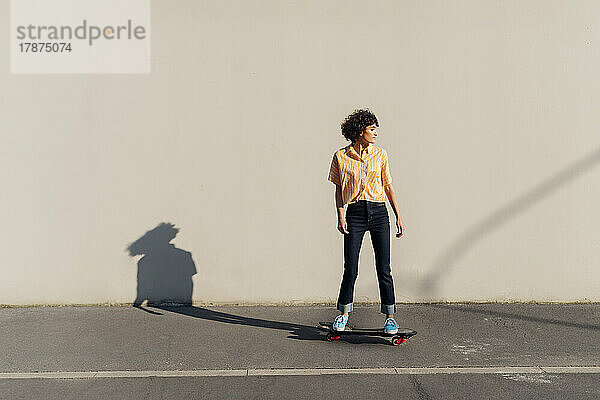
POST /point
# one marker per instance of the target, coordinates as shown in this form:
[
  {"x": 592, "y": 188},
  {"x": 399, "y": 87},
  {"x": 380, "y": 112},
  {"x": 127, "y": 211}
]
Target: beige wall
[{"x": 488, "y": 112}]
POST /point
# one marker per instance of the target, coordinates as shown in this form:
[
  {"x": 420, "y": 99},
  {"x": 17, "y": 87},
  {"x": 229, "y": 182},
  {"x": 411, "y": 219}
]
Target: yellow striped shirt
[{"x": 361, "y": 178}]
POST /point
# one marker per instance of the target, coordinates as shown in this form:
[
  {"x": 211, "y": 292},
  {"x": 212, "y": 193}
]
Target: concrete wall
[{"x": 488, "y": 112}]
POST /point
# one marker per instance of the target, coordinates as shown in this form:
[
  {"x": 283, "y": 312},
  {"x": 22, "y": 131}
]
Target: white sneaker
[{"x": 339, "y": 324}]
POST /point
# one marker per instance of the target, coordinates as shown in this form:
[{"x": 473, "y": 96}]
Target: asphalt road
[{"x": 196, "y": 344}]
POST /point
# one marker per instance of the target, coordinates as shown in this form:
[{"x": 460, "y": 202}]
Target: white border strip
[{"x": 302, "y": 371}]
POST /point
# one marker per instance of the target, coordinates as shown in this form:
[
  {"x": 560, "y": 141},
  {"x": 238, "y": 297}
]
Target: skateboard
[{"x": 396, "y": 339}]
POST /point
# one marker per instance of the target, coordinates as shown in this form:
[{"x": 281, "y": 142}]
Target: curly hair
[{"x": 354, "y": 124}]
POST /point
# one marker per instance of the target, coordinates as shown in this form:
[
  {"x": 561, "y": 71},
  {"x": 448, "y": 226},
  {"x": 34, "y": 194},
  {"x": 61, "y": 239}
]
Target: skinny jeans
[{"x": 363, "y": 216}]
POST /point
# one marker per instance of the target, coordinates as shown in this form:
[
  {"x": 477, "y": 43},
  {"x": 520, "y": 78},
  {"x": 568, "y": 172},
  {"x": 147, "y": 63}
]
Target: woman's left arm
[{"x": 391, "y": 195}]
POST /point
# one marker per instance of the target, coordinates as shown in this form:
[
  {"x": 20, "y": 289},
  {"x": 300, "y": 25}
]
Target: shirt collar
[{"x": 350, "y": 149}]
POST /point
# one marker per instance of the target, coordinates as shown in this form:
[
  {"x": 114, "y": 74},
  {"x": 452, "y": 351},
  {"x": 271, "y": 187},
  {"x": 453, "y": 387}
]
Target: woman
[{"x": 361, "y": 174}]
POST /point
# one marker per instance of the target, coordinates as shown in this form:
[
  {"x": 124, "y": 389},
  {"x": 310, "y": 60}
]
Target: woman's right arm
[{"x": 339, "y": 206}]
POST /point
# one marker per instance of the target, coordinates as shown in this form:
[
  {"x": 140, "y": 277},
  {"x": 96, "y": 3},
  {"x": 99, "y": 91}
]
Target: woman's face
[{"x": 370, "y": 134}]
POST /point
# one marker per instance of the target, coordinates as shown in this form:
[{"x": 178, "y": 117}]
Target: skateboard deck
[{"x": 397, "y": 338}]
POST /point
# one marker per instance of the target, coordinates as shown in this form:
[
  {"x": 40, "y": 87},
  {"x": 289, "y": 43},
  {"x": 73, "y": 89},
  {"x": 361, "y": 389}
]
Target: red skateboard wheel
[
  {"x": 398, "y": 340},
  {"x": 331, "y": 337}
]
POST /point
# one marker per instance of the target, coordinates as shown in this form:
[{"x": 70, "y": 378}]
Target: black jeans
[{"x": 369, "y": 216}]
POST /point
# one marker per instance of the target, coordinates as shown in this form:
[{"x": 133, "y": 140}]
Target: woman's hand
[
  {"x": 342, "y": 226},
  {"x": 399, "y": 227}
]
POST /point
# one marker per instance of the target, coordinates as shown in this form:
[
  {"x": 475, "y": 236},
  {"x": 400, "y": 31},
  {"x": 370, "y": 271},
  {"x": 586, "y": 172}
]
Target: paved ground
[{"x": 248, "y": 342}]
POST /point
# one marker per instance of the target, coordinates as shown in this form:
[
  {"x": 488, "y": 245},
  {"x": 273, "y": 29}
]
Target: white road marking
[
  {"x": 301, "y": 371},
  {"x": 532, "y": 378}
]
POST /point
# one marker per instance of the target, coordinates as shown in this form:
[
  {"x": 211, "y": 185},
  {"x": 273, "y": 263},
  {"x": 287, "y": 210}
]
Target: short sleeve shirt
[{"x": 360, "y": 177}]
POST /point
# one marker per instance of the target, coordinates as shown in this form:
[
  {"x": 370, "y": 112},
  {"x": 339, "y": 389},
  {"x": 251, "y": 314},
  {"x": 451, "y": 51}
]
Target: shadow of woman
[
  {"x": 297, "y": 331},
  {"x": 164, "y": 273},
  {"x": 164, "y": 281}
]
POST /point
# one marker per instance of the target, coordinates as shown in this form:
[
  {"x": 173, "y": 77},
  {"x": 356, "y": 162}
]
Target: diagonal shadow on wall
[{"x": 429, "y": 285}]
